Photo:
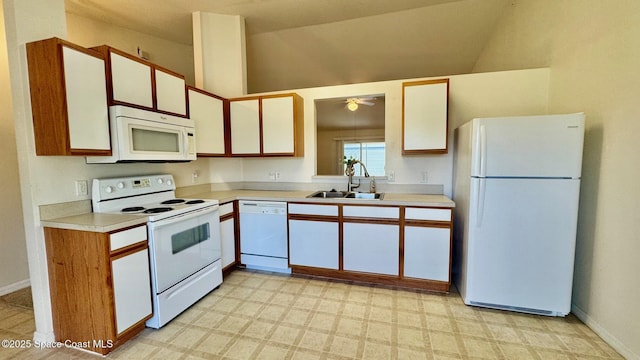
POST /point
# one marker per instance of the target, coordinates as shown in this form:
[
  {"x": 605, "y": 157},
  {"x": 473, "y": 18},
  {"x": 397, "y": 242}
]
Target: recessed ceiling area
[{"x": 295, "y": 44}]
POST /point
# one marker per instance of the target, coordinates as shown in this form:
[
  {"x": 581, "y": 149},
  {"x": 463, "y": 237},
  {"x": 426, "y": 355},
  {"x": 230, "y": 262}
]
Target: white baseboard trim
[
  {"x": 616, "y": 344},
  {"x": 43, "y": 338},
  {"x": 8, "y": 289}
]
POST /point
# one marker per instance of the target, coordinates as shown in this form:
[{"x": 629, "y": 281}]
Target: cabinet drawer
[
  {"x": 128, "y": 237},
  {"x": 427, "y": 214},
  {"x": 226, "y": 209},
  {"x": 371, "y": 212},
  {"x": 304, "y": 209}
]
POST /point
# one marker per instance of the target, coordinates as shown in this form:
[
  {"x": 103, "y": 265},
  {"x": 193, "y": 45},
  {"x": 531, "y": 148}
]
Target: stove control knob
[
  {"x": 109, "y": 189},
  {"x": 160, "y": 181},
  {"x": 120, "y": 185},
  {"x": 169, "y": 182}
]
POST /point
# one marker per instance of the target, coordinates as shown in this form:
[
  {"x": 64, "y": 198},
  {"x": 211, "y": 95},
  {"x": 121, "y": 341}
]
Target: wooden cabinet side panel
[
  {"x": 80, "y": 286},
  {"x": 46, "y": 84}
]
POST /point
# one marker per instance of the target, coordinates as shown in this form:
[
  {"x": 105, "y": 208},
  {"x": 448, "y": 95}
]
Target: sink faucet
[{"x": 350, "y": 171}]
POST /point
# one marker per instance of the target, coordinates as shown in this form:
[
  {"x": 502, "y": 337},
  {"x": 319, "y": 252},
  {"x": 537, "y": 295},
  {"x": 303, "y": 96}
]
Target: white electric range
[{"x": 184, "y": 238}]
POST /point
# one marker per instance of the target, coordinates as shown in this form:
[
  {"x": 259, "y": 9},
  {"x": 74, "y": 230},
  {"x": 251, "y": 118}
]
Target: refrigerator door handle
[
  {"x": 480, "y": 191},
  {"x": 482, "y": 154}
]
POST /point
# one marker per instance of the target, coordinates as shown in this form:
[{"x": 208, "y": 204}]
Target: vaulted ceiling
[{"x": 306, "y": 43}]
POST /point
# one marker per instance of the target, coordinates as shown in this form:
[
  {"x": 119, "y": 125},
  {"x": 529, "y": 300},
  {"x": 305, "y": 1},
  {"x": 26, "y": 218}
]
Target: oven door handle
[{"x": 182, "y": 217}]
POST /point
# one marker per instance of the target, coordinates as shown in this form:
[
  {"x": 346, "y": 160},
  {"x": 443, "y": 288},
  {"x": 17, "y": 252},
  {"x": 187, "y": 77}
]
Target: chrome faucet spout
[{"x": 350, "y": 171}]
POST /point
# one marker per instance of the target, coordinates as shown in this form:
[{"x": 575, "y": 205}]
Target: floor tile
[{"x": 256, "y": 315}]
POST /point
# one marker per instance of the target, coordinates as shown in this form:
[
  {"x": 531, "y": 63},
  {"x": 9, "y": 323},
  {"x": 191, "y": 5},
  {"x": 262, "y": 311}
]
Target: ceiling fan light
[{"x": 352, "y": 105}]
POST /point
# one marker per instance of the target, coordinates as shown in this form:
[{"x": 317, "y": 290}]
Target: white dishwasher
[{"x": 263, "y": 235}]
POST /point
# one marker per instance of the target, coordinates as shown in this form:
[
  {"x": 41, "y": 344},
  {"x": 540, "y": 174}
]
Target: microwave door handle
[{"x": 185, "y": 147}]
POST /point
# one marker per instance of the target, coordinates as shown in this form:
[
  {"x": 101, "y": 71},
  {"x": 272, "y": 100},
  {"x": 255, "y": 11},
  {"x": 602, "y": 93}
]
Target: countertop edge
[{"x": 104, "y": 223}]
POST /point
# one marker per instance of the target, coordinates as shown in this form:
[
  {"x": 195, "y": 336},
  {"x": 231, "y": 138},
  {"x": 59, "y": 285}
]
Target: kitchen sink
[
  {"x": 328, "y": 194},
  {"x": 365, "y": 196},
  {"x": 346, "y": 195}
]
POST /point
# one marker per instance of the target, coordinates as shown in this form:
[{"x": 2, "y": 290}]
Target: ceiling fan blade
[{"x": 366, "y": 103}]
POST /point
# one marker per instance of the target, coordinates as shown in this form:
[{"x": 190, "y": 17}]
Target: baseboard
[
  {"x": 14, "y": 287},
  {"x": 616, "y": 344}
]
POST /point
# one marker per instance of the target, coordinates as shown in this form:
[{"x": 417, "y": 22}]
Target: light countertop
[
  {"x": 291, "y": 196},
  {"x": 97, "y": 222}
]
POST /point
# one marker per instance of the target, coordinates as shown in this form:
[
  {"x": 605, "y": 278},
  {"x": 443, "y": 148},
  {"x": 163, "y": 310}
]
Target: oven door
[{"x": 182, "y": 245}]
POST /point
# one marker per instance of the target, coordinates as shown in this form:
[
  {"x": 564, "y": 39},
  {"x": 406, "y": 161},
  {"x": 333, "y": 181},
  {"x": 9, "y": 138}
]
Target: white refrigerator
[{"x": 516, "y": 189}]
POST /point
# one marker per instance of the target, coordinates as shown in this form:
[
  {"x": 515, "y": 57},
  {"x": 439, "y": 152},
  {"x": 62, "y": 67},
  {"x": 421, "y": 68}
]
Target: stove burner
[
  {"x": 190, "y": 202},
  {"x": 132, "y": 209},
  {"x": 157, "y": 210},
  {"x": 172, "y": 201}
]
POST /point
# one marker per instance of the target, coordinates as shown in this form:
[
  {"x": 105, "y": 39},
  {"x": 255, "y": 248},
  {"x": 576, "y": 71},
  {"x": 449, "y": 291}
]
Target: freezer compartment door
[
  {"x": 528, "y": 146},
  {"x": 521, "y": 246}
]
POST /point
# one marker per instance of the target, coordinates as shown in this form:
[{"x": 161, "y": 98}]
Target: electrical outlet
[
  {"x": 82, "y": 187},
  {"x": 272, "y": 175},
  {"x": 277, "y": 175},
  {"x": 194, "y": 176},
  {"x": 392, "y": 176}
]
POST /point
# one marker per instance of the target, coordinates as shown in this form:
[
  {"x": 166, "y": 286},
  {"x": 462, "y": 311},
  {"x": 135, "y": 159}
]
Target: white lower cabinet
[
  {"x": 371, "y": 248},
  {"x": 427, "y": 253},
  {"x": 132, "y": 304},
  {"x": 314, "y": 243}
]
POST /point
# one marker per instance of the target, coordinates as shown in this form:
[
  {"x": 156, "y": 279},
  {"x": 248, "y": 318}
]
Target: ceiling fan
[{"x": 353, "y": 103}]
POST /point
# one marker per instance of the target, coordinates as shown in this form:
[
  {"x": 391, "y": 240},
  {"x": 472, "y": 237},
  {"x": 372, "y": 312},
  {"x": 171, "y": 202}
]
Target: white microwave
[{"x": 144, "y": 136}]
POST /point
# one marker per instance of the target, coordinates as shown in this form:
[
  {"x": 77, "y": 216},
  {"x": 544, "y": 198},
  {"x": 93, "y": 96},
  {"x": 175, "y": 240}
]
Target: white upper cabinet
[
  {"x": 131, "y": 81},
  {"x": 170, "y": 92},
  {"x": 245, "y": 127},
  {"x": 68, "y": 99},
  {"x": 277, "y": 125},
  {"x": 424, "y": 117},
  {"x": 276, "y": 121},
  {"x": 207, "y": 112},
  {"x": 136, "y": 82}
]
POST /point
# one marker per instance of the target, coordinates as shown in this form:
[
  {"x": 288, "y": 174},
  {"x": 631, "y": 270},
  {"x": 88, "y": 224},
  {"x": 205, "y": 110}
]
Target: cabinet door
[
  {"x": 228, "y": 238},
  {"x": 424, "y": 117},
  {"x": 131, "y": 81},
  {"x": 313, "y": 243},
  {"x": 207, "y": 112},
  {"x": 245, "y": 127},
  {"x": 427, "y": 253},
  {"x": 86, "y": 95},
  {"x": 277, "y": 125},
  {"x": 131, "y": 288},
  {"x": 170, "y": 93},
  {"x": 372, "y": 248}
]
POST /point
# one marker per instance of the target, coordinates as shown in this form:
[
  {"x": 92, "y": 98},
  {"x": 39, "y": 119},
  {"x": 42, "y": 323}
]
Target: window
[{"x": 370, "y": 153}]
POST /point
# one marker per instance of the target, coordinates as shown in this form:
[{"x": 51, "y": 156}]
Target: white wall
[
  {"x": 50, "y": 179},
  {"x": 14, "y": 272},
  {"x": 523, "y": 92},
  {"x": 593, "y": 50},
  {"x": 169, "y": 54}
]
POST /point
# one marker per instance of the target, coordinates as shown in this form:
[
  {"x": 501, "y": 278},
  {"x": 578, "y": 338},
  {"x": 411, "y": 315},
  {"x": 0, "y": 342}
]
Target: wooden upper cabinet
[
  {"x": 68, "y": 99},
  {"x": 425, "y": 117},
  {"x": 271, "y": 125},
  {"x": 139, "y": 83},
  {"x": 210, "y": 115}
]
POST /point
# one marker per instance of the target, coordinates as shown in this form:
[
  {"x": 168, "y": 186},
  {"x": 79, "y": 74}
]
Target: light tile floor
[{"x": 264, "y": 316}]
